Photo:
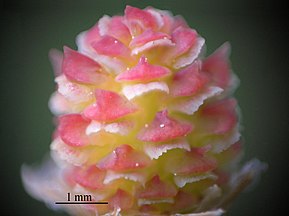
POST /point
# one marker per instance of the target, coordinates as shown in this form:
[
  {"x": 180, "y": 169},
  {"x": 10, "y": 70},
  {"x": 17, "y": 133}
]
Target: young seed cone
[{"x": 144, "y": 122}]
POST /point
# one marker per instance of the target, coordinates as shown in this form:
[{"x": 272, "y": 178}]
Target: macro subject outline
[{"x": 146, "y": 122}]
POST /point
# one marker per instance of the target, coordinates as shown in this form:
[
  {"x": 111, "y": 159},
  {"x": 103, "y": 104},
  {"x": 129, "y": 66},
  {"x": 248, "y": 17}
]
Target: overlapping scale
[
  {"x": 164, "y": 128},
  {"x": 109, "y": 106}
]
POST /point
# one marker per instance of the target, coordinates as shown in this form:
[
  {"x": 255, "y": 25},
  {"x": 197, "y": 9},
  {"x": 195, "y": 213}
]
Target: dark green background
[{"x": 258, "y": 34}]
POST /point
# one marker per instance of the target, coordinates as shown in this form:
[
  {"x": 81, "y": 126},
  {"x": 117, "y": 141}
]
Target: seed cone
[{"x": 144, "y": 122}]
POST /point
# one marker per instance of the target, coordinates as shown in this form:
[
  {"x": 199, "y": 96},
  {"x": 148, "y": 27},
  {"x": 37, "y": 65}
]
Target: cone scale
[{"x": 145, "y": 122}]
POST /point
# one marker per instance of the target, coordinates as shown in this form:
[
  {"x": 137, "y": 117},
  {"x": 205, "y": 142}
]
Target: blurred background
[{"x": 256, "y": 30}]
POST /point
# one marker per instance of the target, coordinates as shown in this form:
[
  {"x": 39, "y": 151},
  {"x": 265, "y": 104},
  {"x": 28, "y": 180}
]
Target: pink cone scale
[{"x": 144, "y": 122}]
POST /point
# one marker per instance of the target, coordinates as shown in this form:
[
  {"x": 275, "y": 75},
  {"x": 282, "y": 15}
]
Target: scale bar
[{"x": 64, "y": 203}]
